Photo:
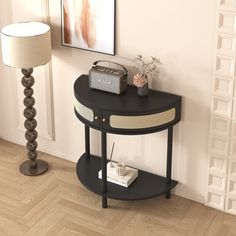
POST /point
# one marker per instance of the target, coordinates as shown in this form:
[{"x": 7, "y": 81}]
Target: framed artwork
[{"x": 89, "y": 25}]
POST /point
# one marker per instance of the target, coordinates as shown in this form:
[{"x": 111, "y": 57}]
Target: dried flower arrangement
[{"x": 145, "y": 69}]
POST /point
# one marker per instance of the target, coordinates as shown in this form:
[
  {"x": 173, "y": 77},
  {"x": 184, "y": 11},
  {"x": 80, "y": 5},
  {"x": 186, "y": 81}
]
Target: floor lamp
[{"x": 26, "y": 45}]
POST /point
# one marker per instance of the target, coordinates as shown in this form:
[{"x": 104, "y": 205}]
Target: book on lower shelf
[{"x": 130, "y": 175}]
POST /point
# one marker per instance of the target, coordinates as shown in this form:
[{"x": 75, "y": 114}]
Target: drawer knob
[
  {"x": 104, "y": 119},
  {"x": 96, "y": 117}
]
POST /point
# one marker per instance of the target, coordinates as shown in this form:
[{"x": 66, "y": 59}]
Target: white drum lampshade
[{"x": 26, "y": 45}]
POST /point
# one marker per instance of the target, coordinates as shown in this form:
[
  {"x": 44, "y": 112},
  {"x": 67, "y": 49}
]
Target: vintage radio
[{"x": 108, "y": 79}]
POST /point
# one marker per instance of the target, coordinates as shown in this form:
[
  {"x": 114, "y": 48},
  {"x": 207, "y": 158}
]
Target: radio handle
[{"x": 125, "y": 70}]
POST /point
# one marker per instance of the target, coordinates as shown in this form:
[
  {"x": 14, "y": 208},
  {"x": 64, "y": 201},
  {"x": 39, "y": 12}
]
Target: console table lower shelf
[{"x": 145, "y": 186}]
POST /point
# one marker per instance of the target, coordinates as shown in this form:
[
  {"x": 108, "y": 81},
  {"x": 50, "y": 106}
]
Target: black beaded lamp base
[
  {"x": 26, "y": 168},
  {"x": 31, "y": 167}
]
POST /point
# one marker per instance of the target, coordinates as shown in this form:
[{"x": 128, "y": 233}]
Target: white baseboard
[
  {"x": 40, "y": 149},
  {"x": 188, "y": 196}
]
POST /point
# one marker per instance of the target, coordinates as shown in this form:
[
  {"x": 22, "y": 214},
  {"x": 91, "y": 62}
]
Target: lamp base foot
[{"x": 26, "y": 169}]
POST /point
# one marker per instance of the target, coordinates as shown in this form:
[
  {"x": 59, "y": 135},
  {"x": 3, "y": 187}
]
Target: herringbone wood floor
[{"x": 57, "y": 204}]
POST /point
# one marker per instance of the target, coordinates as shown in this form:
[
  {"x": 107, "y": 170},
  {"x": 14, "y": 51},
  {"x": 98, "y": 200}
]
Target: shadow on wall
[{"x": 190, "y": 149}]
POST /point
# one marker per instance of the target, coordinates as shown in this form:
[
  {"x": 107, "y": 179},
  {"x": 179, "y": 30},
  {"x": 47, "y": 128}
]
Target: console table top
[{"x": 127, "y": 102}]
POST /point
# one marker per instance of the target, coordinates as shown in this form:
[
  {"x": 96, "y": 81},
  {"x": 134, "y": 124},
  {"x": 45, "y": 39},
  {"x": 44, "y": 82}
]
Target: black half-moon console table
[{"x": 126, "y": 114}]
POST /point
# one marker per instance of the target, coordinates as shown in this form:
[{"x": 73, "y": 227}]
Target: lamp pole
[{"x": 32, "y": 166}]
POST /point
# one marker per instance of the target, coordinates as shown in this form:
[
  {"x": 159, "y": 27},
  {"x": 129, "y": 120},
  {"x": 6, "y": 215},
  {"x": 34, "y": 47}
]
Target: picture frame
[{"x": 89, "y": 25}]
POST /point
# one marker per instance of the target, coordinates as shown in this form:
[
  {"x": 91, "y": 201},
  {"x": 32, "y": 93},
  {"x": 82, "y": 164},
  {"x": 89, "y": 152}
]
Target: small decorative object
[
  {"x": 120, "y": 169},
  {"x": 123, "y": 180},
  {"x": 144, "y": 70},
  {"x": 119, "y": 173},
  {"x": 89, "y": 25},
  {"x": 112, "y": 163},
  {"x": 107, "y": 78},
  {"x": 141, "y": 81}
]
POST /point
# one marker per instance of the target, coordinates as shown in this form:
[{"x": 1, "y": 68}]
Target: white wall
[
  {"x": 7, "y": 85},
  {"x": 181, "y": 34}
]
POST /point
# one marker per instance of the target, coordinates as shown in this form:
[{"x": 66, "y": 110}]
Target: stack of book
[{"x": 130, "y": 175}]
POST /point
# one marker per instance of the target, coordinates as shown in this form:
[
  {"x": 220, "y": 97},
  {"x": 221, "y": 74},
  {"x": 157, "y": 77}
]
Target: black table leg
[
  {"x": 169, "y": 159},
  {"x": 104, "y": 169},
  {"x": 87, "y": 141}
]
